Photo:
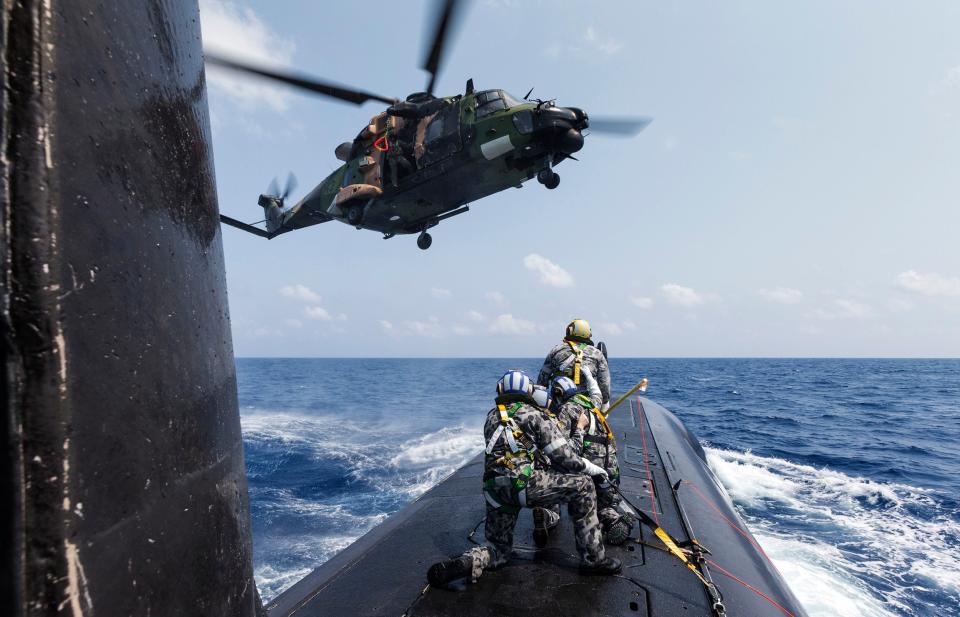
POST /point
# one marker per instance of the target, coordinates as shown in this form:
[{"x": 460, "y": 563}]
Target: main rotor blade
[
  {"x": 621, "y": 127},
  {"x": 443, "y": 20},
  {"x": 342, "y": 93}
]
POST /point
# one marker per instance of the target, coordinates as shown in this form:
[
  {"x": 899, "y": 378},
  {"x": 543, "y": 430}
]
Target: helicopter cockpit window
[
  {"x": 490, "y": 101},
  {"x": 509, "y": 100}
]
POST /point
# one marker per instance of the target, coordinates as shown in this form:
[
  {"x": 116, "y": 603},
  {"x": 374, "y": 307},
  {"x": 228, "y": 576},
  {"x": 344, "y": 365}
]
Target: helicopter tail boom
[{"x": 246, "y": 227}]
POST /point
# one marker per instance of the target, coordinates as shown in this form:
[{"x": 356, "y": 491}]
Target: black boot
[
  {"x": 540, "y": 533},
  {"x": 609, "y": 565},
  {"x": 443, "y": 572}
]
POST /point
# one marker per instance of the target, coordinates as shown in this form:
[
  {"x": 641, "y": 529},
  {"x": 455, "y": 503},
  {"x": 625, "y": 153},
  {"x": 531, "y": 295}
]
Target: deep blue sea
[{"x": 847, "y": 471}]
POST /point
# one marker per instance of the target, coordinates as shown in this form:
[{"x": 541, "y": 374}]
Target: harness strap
[{"x": 578, "y": 354}]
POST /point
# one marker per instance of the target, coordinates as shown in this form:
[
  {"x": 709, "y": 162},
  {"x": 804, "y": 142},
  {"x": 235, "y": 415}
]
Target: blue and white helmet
[
  {"x": 541, "y": 396},
  {"x": 514, "y": 382},
  {"x": 563, "y": 388}
]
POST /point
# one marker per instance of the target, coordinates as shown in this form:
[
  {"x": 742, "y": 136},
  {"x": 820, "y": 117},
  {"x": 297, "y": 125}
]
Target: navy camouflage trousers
[{"x": 544, "y": 489}]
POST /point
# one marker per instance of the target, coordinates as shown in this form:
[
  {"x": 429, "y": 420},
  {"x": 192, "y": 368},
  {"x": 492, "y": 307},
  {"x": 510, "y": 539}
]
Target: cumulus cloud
[
  {"x": 606, "y": 45},
  {"x": 609, "y": 328},
  {"x": 237, "y": 32},
  {"x": 317, "y": 312},
  {"x": 496, "y": 298},
  {"x": 440, "y": 293},
  {"x": 475, "y": 316},
  {"x": 642, "y": 302},
  {"x": 680, "y": 295},
  {"x": 929, "y": 284},
  {"x": 430, "y": 328},
  {"x": 299, "y": 292},
  {"x": 843, "y": 309},
  {"x": 508, "y": 324},
  {"x": 549, "y": 272},
  {"x": 783, "y": 295},
  {"x": 386, "y": 325}
]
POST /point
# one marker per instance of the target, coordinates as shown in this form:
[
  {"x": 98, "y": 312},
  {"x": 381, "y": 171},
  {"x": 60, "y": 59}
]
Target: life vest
[
  {"x": 599, "y": 419},
  {"x": 519, "y": 454}
]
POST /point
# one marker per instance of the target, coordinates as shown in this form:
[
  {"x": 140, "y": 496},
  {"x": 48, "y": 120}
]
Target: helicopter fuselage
[{"x": 405, "y": 173}]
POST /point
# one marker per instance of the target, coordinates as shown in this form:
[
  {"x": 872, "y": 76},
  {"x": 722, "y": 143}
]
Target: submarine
[
  {"x": 664, "y": 475},
  {"x": 121, "y": 461}
]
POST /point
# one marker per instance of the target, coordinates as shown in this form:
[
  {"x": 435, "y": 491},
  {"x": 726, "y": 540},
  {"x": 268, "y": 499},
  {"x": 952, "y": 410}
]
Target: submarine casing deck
[{"x": 384, "y": 572}]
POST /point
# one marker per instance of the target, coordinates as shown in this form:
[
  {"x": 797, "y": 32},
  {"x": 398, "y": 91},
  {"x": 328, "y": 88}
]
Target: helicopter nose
[{"x": 560, "y": 128}]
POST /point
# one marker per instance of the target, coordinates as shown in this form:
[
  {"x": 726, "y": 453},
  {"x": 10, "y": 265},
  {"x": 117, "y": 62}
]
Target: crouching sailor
[
  {"x": 519, "y": 435},
  {"x": 577, "y": 415},
  {"x": 574, "y": 353}
]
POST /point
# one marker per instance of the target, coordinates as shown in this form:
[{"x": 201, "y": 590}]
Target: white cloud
[
  {"x": 508, "y": 324},
  {"x": 386, "y": 325},
  {"x": 238, "y": 33},
  {"x": 642, "y": 302},
  {"x": 951, "y": 79},
  {"x": 929, "y": 284},
  {"x": 843, "y": 309},
  {"x": 440, "y": 293},
  {"x": 549, "y": 272},
  {"x": 497, "y": 298},
  {"x": 609, "y": 328},
  {"x": 597, "y": 41},
  {"x": 430, "y": 327},
  {"x": 783, "y": 295},
  {"x": 476, "y": 316},
  {"x": 680, "y": 295},
  {"x": 318, "y": 312},
  {"x": 299, "y": 292},
  {"x": 629, "y": 325}
]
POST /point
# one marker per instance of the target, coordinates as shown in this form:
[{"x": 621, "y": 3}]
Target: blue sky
[{"x": 797, "y": 194}]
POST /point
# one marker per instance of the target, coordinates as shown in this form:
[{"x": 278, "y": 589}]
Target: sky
[{"x": 797, "y": 194}]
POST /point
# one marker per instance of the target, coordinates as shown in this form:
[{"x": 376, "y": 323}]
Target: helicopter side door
[{"x": 438, "y": 136}]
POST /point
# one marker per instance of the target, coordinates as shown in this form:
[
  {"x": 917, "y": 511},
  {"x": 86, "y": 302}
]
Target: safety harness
[
  {"x": 578, "y": 359},
  {"x": 520, "y": 454}
]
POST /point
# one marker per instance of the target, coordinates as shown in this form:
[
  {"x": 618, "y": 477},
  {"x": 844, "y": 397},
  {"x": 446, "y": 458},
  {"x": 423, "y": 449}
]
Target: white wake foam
[{"x": 838, "y": 538}]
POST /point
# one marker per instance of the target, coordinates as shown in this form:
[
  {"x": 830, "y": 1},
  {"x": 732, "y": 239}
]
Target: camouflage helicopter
[{"x": 423, "y": 159}]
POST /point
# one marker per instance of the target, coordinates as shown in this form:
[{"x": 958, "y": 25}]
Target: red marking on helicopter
[{"x": 382, "y": 144}]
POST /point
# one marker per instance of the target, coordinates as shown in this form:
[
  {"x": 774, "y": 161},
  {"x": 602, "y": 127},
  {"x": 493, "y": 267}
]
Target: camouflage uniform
[
  {"x": 522, "y": 478},
  {"x": 599, "y": 447},
  {"x": 560, "y": 361}
]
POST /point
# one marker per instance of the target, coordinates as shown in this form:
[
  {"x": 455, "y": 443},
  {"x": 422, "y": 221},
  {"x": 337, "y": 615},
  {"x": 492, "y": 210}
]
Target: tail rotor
[{"x": 272, "y": 202}]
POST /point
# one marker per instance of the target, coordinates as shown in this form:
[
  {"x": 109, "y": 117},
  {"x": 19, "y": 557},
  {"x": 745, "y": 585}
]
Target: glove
[{"x": 595, "y": 471}]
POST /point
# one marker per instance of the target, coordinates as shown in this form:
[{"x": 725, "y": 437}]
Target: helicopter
[{"x": 424, "y": 158}]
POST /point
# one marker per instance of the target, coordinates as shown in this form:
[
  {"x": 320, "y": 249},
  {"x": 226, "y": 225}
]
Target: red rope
[
  {"x": 749, "y": 586},
  {"x": 643, "y": 435},
  {"x": 755, "y": 544}
]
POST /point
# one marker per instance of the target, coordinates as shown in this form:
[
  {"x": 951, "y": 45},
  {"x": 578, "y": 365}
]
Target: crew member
[
  {"x": 570, "y": 356},
  {"x": 518, "y": 435},
  {"x": 578, "y": 415}
]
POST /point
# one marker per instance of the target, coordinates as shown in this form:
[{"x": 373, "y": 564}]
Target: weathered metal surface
[{"x": 123, "y": 485}]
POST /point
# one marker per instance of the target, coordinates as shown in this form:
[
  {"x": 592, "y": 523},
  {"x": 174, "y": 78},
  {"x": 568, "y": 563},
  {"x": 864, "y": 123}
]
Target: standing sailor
[
  {"x": 519, "y": 435},
  {"x": 570, "y": 356}
]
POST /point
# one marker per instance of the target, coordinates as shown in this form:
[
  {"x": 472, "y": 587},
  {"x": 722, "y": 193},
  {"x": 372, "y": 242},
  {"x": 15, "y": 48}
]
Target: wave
[
  {"x": 848, "y": 546},
  {"x": 318, "y": 483}
]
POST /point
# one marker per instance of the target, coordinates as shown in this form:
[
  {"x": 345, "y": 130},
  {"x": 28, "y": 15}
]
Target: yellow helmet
[{"x": 578, "y": 329}]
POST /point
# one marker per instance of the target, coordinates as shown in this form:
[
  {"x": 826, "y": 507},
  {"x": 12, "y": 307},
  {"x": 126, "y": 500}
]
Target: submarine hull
[
  {"x": 122, "y": 481},
  {"x": 384, "y": 572}
]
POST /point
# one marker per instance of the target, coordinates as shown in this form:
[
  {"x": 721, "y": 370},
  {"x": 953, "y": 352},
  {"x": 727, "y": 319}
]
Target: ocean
[{"x": 846, "y": 471}]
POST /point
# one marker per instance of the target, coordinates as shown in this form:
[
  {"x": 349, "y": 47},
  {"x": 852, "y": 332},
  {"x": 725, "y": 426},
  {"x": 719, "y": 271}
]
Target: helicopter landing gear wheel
[
  {"x": 355, "y": 215},
  {"x": 424, "y": 240},
  {"x": 548, "y": 178}
]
